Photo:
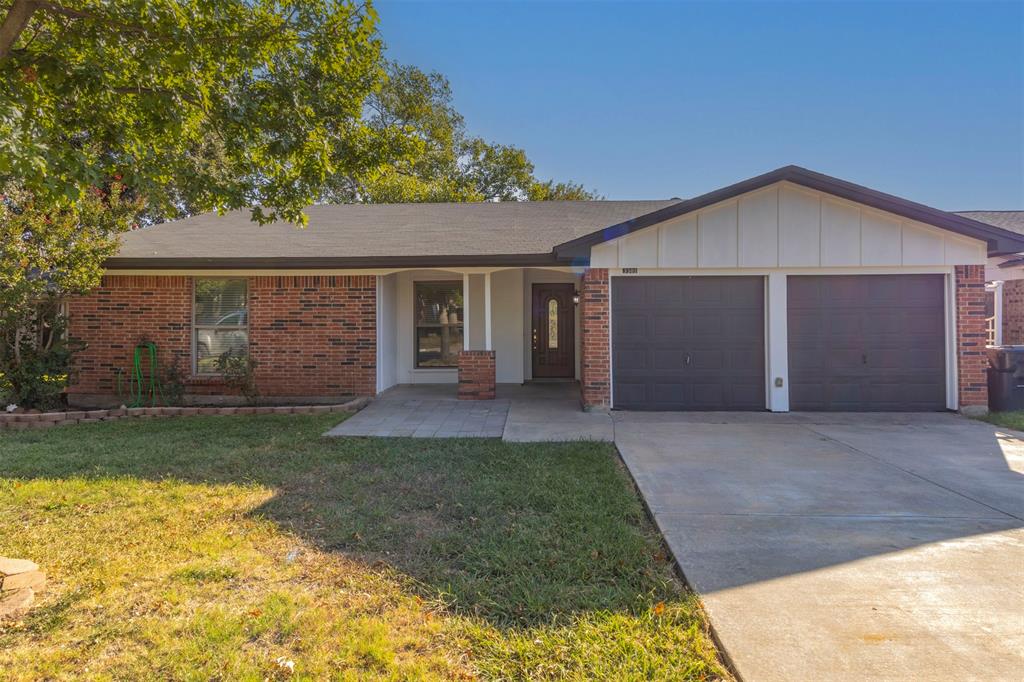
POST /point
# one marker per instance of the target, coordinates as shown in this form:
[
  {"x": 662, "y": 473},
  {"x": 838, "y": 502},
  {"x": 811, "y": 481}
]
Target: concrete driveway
[{"x": 842, "y": 547}]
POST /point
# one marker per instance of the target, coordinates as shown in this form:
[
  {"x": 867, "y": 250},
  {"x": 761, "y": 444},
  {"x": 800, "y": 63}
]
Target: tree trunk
[{"x": 14, "y": 23}]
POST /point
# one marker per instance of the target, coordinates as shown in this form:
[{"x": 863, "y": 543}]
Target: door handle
[
  {"x": 864, "y": 359},
  {"x": 688, "y": 359}
]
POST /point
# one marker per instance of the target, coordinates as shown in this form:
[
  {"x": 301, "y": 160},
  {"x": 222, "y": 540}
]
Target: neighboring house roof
[
  {"x": 502, "y": 233},
  {"x": 999, "y": 240},
  {"x": 1008, "y": 220},
  {"x": 378, "y": 235}
]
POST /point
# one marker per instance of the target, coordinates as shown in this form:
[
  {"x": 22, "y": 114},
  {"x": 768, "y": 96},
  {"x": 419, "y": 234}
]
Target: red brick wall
[
  {"x": 476, "y": 375},
  {"x": 312, "y": 335},
  {"x": 1013, "y": 312},
  {"x": 119, "y": 314},
  {"x": 971, "y": 338},
  {"x": 595, "y": 368}
]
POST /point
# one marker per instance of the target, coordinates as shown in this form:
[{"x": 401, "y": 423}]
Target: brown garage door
[
  {"x": 867, "y": 343},
  {"x": 688, "y": 343}
]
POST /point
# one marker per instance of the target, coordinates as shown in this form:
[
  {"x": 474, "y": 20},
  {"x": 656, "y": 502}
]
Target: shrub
[
  {"x": 239, "y": 372},
  {"x": 36, "y": 375}
]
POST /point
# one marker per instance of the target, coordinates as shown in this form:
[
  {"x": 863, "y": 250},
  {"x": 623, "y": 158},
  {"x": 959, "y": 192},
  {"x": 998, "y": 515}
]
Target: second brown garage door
[
  {"x": 867, "y": 342},
  {"x": 688, "y": 343}
]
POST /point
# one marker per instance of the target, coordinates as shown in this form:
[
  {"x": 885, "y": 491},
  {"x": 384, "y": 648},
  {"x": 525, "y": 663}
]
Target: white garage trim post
[
  {"x": 611, "y": 357},
  {"x": 952, "y": 387},
  {"x": 777, "y": 342}
]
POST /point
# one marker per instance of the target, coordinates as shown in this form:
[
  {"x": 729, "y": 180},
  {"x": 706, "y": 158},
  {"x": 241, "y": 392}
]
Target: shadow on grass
[{"x": 517, "y": 534}]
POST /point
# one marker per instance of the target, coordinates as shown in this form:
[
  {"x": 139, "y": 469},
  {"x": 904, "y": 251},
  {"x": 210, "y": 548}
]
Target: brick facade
[
  {"x": 313, "y": 336},
  {"x": 476, "y": 375},
  {"x": 1013, "y": 312},
  {"x": 972, "y": 362},
  {"x": 595, "y": 367}
]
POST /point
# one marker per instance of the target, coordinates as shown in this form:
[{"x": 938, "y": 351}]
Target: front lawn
[{"x": 229, "y": 547}]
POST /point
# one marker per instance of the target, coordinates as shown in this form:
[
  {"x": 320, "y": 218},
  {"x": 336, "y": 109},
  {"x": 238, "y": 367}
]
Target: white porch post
[
  {"x": 465, "y": 312},
  {"x": 998, "y": 322},
  {"x": 778, "y": 343},
  {"x": 487, "y": 312}
]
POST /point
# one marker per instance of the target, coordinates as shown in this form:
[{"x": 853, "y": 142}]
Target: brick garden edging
[{"x": 37, "y": 420}]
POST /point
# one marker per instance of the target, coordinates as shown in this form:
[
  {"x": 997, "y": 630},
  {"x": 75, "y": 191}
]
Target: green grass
[
  {"x": 1008, "y": 420},
  {"x": 210, "y": 547}
]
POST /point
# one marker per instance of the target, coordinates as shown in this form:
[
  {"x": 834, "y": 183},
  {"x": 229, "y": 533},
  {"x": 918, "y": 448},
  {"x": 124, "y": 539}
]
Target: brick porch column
[
  {"x": 972, "y": 362},
  {"x": 476, "y": 375},
  {"x": 595, "y": 367}
]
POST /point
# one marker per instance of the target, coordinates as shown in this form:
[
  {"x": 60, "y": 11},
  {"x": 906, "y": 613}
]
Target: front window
[
  {"x": 220, "y": 321},
  {"x": 439, "y": 323}
]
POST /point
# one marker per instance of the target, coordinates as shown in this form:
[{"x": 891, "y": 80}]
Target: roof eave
[
  {"x": 333, "y": 262},
  {"x": 999, "y": 241}
]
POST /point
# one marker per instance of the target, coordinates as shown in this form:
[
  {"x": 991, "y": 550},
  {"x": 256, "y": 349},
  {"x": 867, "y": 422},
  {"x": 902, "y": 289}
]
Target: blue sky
[{"x": 648, "y": 100}]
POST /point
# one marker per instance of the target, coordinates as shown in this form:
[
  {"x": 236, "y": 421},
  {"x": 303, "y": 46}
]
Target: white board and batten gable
[{"x": 785, "y": 225}]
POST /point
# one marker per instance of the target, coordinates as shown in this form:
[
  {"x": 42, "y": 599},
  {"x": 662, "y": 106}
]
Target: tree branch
[{"x": 14, "y": 23}]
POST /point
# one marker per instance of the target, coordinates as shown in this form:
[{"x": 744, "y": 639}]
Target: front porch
[
  {"x": 526, "y": 317},
  {"x": 531, "y": 412}
]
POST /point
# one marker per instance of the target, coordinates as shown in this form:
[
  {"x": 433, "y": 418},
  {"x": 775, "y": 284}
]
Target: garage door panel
[
  {"x": 667, "y": 326},
  {"x": 716, "y": 322},
  {"x": 634, "y": 325},
  {"x": 879, "y": 344},
  {"x": 711, "y": 359},
  {"x": 708, "y": 396},
  {"x": 633, "y": 359},
  {"x": 669, "y": 359},
  {"x": 667, "y": 395},
  {"x": 632, "y": 392},
  {"x": 661, "y": 290}
]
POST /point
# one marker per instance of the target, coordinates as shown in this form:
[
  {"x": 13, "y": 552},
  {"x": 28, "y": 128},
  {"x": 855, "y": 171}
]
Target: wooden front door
[{"x": 554, "y": 337}]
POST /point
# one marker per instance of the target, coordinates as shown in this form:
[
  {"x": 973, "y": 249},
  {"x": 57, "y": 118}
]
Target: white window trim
[
  {"x": 196, "y": 327},
  {"x": 416, "y": 326}
]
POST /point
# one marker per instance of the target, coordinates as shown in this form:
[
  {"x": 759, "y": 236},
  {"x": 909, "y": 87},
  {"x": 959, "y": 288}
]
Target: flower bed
[{"x": 35, "y": 420}]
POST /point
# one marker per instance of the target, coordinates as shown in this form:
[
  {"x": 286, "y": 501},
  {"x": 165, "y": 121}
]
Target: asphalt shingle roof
[
  {"x": 385, "y": 230},
  {"x": 1008, "y": 220}
]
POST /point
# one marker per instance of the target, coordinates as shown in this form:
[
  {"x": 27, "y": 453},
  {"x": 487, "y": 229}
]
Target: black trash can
[{"x": 1005, "y": 378}]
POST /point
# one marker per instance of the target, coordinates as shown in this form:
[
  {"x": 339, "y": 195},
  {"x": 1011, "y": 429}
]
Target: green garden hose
[{"x": 138, "y": 392}]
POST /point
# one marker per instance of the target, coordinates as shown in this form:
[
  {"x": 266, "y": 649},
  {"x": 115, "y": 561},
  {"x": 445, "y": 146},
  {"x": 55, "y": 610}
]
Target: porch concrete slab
[
  {"x": 556, "y": 416},
  {"x": 843, "y": 547},
  {"x": 417, "y": 418}
]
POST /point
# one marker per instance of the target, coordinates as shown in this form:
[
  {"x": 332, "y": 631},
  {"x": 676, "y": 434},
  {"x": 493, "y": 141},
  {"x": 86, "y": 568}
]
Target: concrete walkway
[
  {"x": 521, "y": 413},
  {"x": 844, "y": 547}
]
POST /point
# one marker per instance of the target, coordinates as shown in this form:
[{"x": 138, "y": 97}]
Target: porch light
[{"x": 575, "y": 298}]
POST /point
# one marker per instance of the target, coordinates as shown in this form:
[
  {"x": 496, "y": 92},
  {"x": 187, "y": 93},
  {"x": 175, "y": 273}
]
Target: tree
[
  {"x": 45, "y": 256},
  {"x": 195, "y": 105},
  {"x": 449, "y": 165}
]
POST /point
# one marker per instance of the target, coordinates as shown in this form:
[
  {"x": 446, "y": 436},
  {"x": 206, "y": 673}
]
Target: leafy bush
[
  {"x": 172, "y": 383},
  {"x": 39, "y": 375},
  {"x": 239, "y": 372},
  {"x": 47, "y": 255}
]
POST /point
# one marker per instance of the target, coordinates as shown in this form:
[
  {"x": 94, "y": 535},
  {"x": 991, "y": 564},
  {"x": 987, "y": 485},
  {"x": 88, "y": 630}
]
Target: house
[
  {"x": 788, "y": 291},
  {"x": 1004, "y": 282}
]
